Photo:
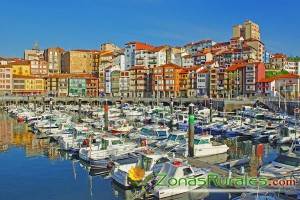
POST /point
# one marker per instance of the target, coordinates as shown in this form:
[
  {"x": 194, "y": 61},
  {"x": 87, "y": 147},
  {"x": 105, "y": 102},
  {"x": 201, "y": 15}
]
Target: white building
[
  {"x": 202, "y": 81},
  {"x": 34, "y": 54},
  {"x": 292, "y": 67},
  {"x": 118, "y": 61}
]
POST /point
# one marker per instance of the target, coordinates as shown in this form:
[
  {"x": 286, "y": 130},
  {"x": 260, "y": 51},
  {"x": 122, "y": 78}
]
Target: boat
[
  {"x": 150, "y": 163},
  {"x": 151, "y": 133},
  {"x": 108, "y": 147},
  {"x": 282, "y": 166},
  {"x": 286, "y": 135},
  {"x": 174, "y": 139},
  {"x": 177, "y": 169},
  {"x": 122, "y": 129},
  {"x": 257, "y": 196},
  {"x": 204, "y": 146}
]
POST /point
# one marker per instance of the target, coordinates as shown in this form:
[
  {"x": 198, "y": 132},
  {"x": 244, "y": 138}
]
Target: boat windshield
[
  {"x": 201, "y": 141},
  {"x": 144, "y": 162},
  {"x": 286, "y": 160},
  {"x": 172, "y": 137},
  {"x": 161, "y": 133},
  {"x": 297, "y": 148},
  {"x": 146, "y": 131},
  {"x": 116, "y": 142}
]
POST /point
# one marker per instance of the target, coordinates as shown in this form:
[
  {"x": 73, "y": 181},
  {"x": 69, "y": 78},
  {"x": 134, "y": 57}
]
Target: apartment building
[
  {"x": 5, "y": 79},
  {"x": 53, "y": 57},
  {"x": 39, "y": 67},
  {"x": 77, "y": 61},
  {"x": 139, "y": 81}
]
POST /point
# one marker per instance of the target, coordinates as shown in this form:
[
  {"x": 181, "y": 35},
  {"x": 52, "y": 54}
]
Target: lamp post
[
  {"x": 106, "y": 115},
  {"x": 171, "y": 109},
  {"x": 210, "y": 110},
  {"x": 191, "y": 131},
  {"x": 79, "y": 109}
]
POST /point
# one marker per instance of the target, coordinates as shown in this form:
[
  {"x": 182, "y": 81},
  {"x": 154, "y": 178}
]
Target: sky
[{"x": 85, "y": 24}]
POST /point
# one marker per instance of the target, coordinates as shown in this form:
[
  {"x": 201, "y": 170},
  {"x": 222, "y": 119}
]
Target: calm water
[{"x": 33, "y": 168}]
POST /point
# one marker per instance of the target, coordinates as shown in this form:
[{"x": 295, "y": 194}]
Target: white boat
[
  {"x": 150, "y": 163},
  {"x": 174, "y": 139},
  {"x": 151, "y": 133},
  {"x": 295, "y": 148},
  {"x": 257, "y": 196},
  {"x": 177, "y": 169},
  {"x": 109, "y": 146},
  {"x": 203, "y": 146},
  {"x": 286, "y": 135},
  {"x": 282, "y": 166}
]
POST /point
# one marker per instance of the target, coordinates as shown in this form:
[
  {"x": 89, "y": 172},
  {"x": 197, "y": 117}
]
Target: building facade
[{"x": 53, "y": 57}]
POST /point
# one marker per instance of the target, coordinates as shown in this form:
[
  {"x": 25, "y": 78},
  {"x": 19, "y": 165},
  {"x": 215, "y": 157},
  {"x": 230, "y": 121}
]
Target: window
[{"x": 187, "y": 171}]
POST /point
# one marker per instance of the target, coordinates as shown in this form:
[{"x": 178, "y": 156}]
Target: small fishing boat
[
  {"x": 203, "y": 146},
  {"x": 177, "y": 169},
  {"x": 283, "y": 165},
  {"x": 108, "y": 147},
  {"x": 151, "y": 164}
]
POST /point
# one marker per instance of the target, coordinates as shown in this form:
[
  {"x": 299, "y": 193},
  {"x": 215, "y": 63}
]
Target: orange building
[
  {"x": 166, "y": 80},
  {"x": 139, "y": 81}
]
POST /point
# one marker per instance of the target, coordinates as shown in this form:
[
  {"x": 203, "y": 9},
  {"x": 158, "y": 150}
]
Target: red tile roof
[
  {"x": 202, "y": 70},
  {"x": 142, "y": 46},
  {"x": 279, "y": 55},
  {"x": 278, "y": 77},
  {"x": 235, "y": 67}
]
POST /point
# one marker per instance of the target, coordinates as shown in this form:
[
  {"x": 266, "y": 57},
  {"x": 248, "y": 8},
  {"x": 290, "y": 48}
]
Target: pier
[{"x": 226, "y": 105}]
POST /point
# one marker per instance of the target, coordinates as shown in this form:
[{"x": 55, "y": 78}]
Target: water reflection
[{"x": 70, "y": 179}]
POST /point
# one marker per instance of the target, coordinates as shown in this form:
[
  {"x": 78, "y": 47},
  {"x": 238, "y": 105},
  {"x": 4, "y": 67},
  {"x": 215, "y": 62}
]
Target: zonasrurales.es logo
[{"x": 216, "y": 180}]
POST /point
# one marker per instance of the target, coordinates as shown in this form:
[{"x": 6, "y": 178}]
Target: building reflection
[
  {"x": 6, "y": 133},
  {"x": 17, "y": 134}
]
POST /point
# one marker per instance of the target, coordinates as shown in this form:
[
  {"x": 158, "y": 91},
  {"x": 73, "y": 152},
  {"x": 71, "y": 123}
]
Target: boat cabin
[
  {"x": 110, "y": 141},
  {"x": 177, "y": 136}
]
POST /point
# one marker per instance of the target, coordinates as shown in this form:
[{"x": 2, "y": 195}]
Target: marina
[{"x": 91, "y": 150}]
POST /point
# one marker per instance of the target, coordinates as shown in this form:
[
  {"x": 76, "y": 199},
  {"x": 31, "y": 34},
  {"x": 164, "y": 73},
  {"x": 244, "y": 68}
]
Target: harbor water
[{"x": 32, "y": 168}]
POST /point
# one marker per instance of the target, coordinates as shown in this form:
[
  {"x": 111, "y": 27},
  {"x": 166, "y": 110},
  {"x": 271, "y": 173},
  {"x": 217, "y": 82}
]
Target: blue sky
[{"x": 88, "y": 23}]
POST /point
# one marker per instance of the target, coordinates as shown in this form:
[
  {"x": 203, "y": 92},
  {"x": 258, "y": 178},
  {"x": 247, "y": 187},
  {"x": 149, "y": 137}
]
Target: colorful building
[
  {"x": 139, "y": 81},
  {"x": 53, "y": 57},
  {"x": 21, "y": 67},
  {"x": 166, "y": 81},
  {"x": 5, "y": 79},
  {"x": 77, "y": 61},
  {"x": 242, "y": 78},
  {"x": 28, "y": 85},
  {"x": 38, "y": 67},
  {"x": 285, "y": 86},
  {"x": 77, "y": 87}
]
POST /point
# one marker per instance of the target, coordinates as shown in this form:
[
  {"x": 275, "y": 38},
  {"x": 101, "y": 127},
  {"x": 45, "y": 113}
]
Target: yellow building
[
  {"x": 21, "y": 67},
  {"x": 26, "y": 85},
  {"x": 248, "y": 30},
  {"x": 77, "y": 61}
]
